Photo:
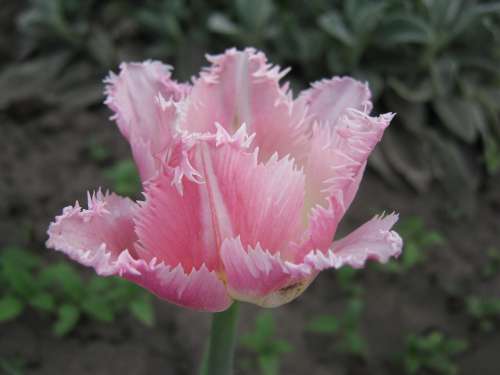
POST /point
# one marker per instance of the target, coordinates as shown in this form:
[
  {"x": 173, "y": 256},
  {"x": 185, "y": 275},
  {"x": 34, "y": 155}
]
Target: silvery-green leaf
[
  {"x": 459, "y": 116},
  {"x": 333, "y": 24}
]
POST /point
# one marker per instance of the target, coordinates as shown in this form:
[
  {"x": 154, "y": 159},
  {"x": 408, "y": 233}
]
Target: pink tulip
[{"x": 244, "y": 186}]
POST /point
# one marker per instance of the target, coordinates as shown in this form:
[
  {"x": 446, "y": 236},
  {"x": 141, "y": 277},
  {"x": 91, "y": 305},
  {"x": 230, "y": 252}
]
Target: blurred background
[{"x": 435, "y": 62}]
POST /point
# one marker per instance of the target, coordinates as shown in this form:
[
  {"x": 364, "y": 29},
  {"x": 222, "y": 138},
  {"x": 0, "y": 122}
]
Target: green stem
[{"x": 218, "y": 359}]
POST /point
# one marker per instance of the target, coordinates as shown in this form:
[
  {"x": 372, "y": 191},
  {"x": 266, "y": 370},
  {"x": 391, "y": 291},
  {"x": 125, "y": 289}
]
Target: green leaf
[
  {"x": 255, "y": 14},
  {"x": 42, "y": 301},
  {"x": 219, "y": 23},
  {"x": 324, "y": 324},
  {"x": 61, "y": 276},
  {"x": 125, "y": 179},
  {"x": 459, "y": 116},
  {"x": 404, "y": 29},
  {"x": 98, "y": 308},
  {"x": 10, "y": 308},
  {"x": 67, "y": 318},
  {"x": 334, "y": 25},
  {"x": 269, "y": 364},
  {"x": 420, "y": 92},
  {"x": 142, "y": 309}
]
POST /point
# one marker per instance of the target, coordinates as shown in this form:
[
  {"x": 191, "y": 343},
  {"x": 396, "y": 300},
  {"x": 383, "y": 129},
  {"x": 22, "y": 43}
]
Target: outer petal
[
  {"x": 257, "y": 276},
  {"x": 334, "y": 170},
  {"x": 329, "y": 99},
  {"x": 145, "y": 101},
  {"x": 242, "y": 88},
  {"x": 103, "y": 237},
  {"x": 97, "y": 236},
  {"x": 200, "y": 289},
  {"x": 373, "y": 240}
]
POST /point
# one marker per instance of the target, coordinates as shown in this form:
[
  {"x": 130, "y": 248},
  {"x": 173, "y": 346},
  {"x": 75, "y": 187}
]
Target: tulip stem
[{"x": 218, "y": 359}]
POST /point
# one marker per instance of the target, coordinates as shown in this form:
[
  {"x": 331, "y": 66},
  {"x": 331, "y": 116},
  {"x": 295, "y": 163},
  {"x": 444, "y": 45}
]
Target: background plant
[
  {"x": 418, "y": 241},
  {"x": 266, "y": 348},
  {"x": 432, "y": 352},
  {"x": 437, "y": 63},
  {"x": 59, "y": 291}
]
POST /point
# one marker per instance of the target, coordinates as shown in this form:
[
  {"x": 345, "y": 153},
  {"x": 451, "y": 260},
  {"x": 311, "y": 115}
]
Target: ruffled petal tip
[{"x": 372, "y": 241}]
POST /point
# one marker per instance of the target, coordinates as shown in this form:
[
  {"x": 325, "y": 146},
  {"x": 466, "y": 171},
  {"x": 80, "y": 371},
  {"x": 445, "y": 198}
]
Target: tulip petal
[
  {"x": 200, "y": 289},
  {"x": 373, "y": 240},
  {"x": 257, "y": 276},
  {"x": 258, "y": 196},
  {"x": 241, "y": 87},
  {"x": 103, "y": 237},
  {"x": 96, "y": 236},
  {"x": 235, "y": 194},
  {"x": 171, "y": 228},
  {"x": 334, "y": 170},
  {"x": 329, "y": 99},
  {"x": 146, "y": 103}
]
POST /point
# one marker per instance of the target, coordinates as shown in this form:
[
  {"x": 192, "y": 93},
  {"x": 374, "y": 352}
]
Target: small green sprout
[
  {"x": 484, "y": 311},
  {"x": 267, "y": 348},
  {"x": 345, "y": 328},
  {"x": 97, "y": 151},
  {"x": 58, "y": 290},
  {"x": 432, "y": 352},
  {"x": 12, "y": 366},
  {"x": 492, "y": 267},
  {"x": 124, "y": 178},
  {"x": 417, "y": 240}
]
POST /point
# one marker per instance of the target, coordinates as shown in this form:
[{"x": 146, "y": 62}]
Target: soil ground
[{"x": 45, "y": 165}]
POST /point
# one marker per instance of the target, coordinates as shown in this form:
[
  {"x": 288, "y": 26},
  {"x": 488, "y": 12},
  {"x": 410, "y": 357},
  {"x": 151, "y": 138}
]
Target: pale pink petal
[
  {"x": 241, "y": 87},
  {"x": 334, "y": 170},
  {"x": 329, "y": 99},
  {"x": 373, "y": 240},
  {"x": 235, "y": 194},
  {"x": 171, "y": 227},
  {"x": 199, "y": 289},
  {"x": 258, "y": 196},
  {"x": 146, "y": 104},
  {"x": 257, "y": 276},
  {"x": 97, "y": 236},
  {"x": 103, "y": 237}
]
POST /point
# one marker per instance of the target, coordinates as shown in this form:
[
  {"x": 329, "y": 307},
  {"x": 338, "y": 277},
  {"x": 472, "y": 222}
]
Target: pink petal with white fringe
[{"x": 244, "y": 186}]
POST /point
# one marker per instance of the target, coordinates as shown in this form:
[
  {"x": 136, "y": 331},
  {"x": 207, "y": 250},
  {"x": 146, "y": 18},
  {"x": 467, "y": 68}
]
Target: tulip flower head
[{"x": 244, "y": 186}]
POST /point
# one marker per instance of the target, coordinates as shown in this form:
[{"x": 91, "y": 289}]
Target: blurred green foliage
[
  {"x": 124, "y": 178},
  {"x": 12, "y": 366},
  {"x": 432, "y": 352},
  {"x": 344, "y": 328},
  {"x": 434, "y": 62},
  {"x": 418, "y": 239},
  {"x": 262, "y": 342},
  {"x": 492, "y": 267},
  {"x": 484, "y": 311},
  {"x": 59, "y": 291}
]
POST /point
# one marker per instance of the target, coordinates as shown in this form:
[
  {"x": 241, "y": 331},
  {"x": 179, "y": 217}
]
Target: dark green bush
[{"x": 434, "y": 62}]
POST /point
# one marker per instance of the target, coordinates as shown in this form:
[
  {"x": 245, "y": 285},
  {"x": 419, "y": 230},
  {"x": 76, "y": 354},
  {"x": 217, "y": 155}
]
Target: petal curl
[
  {"x": 103, "y": 237},
  {"x": 96, "y": 236},
  {"x": 373, "y": 240},
  {"x": 334, "y": 170},
  {"x": 241, "y": 87},
  {"x": 146, "y": 103},
  {"x": 257, "y": 276},
  {"x": 329, "y": 99}
]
